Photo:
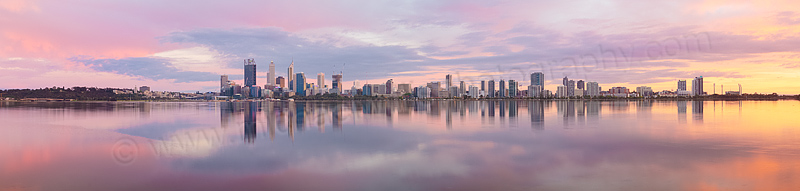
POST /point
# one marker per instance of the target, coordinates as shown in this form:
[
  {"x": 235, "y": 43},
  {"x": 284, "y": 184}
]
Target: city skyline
[{"x": 615, "y": 43}]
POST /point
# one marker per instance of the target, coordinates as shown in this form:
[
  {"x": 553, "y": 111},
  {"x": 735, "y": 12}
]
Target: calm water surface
[{"x": 401, "y": 145}]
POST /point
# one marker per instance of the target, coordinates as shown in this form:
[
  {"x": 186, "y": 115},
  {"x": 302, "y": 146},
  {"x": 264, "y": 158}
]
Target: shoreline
[{"x": 795, "y": 98}]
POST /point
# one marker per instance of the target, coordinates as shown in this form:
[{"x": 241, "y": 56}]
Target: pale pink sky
[{"x": 186, "y": 45}]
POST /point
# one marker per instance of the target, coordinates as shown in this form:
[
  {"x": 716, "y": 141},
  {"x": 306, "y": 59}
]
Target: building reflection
[
  {"x": 250, "y": 122},
  {"x": 297, "y": 117},
  {"x": 536, "y": 110},
  {"x": 697, "y": 111},
  {"x": 681, "y": 111}
]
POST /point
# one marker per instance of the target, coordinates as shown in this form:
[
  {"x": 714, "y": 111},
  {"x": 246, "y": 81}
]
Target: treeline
[{"x": 74, "y": 93}]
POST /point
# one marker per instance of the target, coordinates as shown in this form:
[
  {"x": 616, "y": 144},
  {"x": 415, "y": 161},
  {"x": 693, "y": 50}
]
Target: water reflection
[{"x": 404, "y": 145}]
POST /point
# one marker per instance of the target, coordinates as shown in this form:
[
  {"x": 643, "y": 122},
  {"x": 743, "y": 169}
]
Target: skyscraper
[
  {"x": 512, "y": 88},
  {"x": 592, "y": 89},
  {"x": 490, "y": 89},
  {"x": 502, "y": 92},
  {"x": 449, "y": 82},
  {"x": 697, "y": 86},
  {"x": 300, "y": 84},
  {"x": 462, "y": 89},
  {"x": 580, "y": 84},
  {"x": 290, "y": 73},
  {"x": 224, "y": 86},
  {"x": 281, "y": 82},
  {"x": 337, "y": 83},
  {"x": 271, "y": 73},
  {"x": 561, "y": 91},
  {"x": 483, "y": 85},
  {"x": 321, "y": 80},
  {"x": 249, "y": 72},
  {"x": 389, "y": 84},
  {"x": 570, "y": 88},
  {"x": 565, "y": 81},
  {"x": 682, "y": 85},
  {"x": 537, "y": 78}
]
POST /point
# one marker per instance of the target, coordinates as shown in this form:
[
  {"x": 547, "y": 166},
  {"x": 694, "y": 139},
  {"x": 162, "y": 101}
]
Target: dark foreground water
[{"x": 401, "y": 145}]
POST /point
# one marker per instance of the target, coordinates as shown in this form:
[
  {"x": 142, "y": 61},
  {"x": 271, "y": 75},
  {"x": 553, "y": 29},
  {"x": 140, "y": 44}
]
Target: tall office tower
[
  {"x": 483, "y": 85},
  {"x": 592, "y": 89},
  {"x": 224, "y": 86},
  {"x": 512, "y": 88},
  {"x": 389, "y": 84},
  {"x": 321, "y": 80},
  {"x": 249, "y": 72},
  {"x": 697, "y": 86},
  {"x": 280, "y": 81},
  {"x": 502, "y": 88},
  {"x": 462, "y": 89},
  {"x": 565, "y": 81},
  {"x": 682, "y": 85},
  {"x": 490, "y": 89},
  {"x": 570, "y": 88},
  {"x": 537, "y": 78},
  {"x": 300, "y": 84},
  {"x": 271, "y": 74},
  {"x": 290, "y": 73},
  {"x": 449, "y": 82},
  {"x": 337, "y": 83},
  {"x": 580, "y": 85}
]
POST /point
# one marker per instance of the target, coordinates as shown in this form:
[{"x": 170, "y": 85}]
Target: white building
[
  {"x": 535, "y": 91},
  {"x": 592, "y": 89},
  {"x": 562, "y": 91},
  {"x": 474, "y": 91},
  {"x": 423, "y": 92}
]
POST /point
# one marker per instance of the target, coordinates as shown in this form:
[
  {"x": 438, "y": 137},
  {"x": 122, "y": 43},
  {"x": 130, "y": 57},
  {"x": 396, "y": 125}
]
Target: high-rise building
[
  {"x": 449, "y": 81},
  {"x": 435, "y": 86},
  {"x": 697, "y": 86},
  {"x": 300, "y": 84},
  {"x": 224, "y": 85},
  {"x": 561, "y": 91},
  {"x": 389, "y": 85},
  {"x": 570, "y": 88},
  {"x": 290, "y": 73},
  {"x": 404, "y": 88},
  {"x": 564, "y": 82},
  {"x": 483, "y": 85},
  {"x": 534, "y": 91},
  {"x": 423, "y": 92},
  {"x": 462, "y": 89},
  {"x": 249, "y": 72},
  {"x": 367, "y": 90},
  {"x": 537, "y": 78},
  {"x": 580, "y": 85},
  {"x": 337, "y": 83},
  {"x": 321, "y": 80},
  {"x": 271, "y": 74},
  {"x": 503, "y": 92},
  {"x": 490, "y": 89},
  {"x": 512, "y": 88},
  {"x": 592, "y": 89},
  {"x": 644, "y": 91},
  {"x": 473, "y": 91},
  {"x": 682, "y": 85},
  {"x": 281, "y": 82}
]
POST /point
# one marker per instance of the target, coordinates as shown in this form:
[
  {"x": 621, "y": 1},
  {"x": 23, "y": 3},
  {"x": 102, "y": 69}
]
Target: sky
[{"x": 186, "y": 45}]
